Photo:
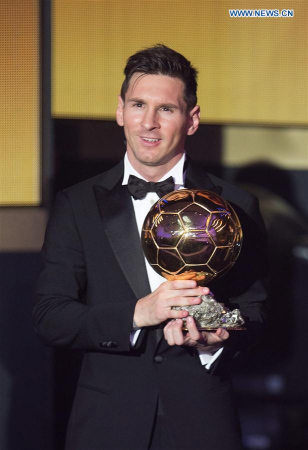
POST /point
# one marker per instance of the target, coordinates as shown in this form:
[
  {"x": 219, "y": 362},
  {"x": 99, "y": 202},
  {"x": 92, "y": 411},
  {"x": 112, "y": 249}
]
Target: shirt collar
[{"x": 176, "y": 172}]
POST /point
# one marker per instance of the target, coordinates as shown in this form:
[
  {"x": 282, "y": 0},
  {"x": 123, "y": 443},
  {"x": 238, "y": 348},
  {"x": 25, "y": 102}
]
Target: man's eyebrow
[
  {"x": 163, "y": 105},
  {"x": 135, "y": 100}
]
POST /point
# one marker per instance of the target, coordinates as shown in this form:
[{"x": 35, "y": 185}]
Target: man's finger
[
  {"x": 173, "y": 332},
  {"x": 168, "y": 332},
  {"x": 177, "y": 330},
  {"x": 179, "y": 284},
  {"x": 192, "y": 329},
  {"x": 220, "y": 335},
  {"x": 183, "y": 301},
  {"x": 175, "y": 314}
]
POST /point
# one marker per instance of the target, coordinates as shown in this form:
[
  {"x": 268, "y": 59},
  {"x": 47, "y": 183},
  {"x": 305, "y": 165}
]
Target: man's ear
[
  {"x": 194, "y": 120},
  {"x": 119, "y": 114}
]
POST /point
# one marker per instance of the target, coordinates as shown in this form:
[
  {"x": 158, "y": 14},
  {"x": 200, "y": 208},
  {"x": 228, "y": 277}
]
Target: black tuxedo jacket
[{"x": 92, "y": 274}]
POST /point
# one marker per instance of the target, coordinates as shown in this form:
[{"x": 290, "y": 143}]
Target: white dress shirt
[{"x": 141, "y": 208}]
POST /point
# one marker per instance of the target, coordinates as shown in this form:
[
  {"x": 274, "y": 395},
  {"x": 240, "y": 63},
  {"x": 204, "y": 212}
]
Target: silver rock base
[{"x": 210, "y": 315}]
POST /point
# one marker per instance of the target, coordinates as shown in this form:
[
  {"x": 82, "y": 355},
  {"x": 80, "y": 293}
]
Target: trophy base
[
  {"x": 210, "y": 315},
  {"x": 216, "y": 328}
]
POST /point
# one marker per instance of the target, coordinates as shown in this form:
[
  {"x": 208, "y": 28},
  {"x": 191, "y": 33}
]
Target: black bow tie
[{"x": 139, "y": 188}]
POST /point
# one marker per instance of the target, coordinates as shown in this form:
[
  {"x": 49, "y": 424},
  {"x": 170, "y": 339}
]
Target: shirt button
[
  {"x": 112, "y": 344},
  {"x": 108, "y": 344},
  {"x": 158, "y": 359}
]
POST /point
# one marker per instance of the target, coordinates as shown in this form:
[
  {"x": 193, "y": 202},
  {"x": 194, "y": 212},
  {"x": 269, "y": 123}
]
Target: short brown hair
[{"x": 162, "y": 60}]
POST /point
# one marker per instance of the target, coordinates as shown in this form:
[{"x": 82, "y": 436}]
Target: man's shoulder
[
  {"x": 106, "y": 179},
  {"x": 244, "y": 202},
  {"x": 86, "y": 184},
  {"x": 232, "y": 192}
]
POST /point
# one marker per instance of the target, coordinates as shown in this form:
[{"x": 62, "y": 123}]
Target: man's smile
[{"x": 150, "y": 141}]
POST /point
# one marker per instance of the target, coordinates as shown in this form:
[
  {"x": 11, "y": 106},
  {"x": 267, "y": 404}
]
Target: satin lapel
[
  {"x": 197, "y": 178},
  {"x": 119, "y": 222}
]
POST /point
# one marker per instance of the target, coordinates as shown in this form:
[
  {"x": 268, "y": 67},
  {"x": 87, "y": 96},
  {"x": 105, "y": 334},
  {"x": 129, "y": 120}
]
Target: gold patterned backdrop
[
  {"x": 252, "y": 70},
  {"x": 19, "y": 103}
]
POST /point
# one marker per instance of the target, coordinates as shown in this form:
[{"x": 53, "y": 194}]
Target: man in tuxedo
[{"x": 144, "y": 383}]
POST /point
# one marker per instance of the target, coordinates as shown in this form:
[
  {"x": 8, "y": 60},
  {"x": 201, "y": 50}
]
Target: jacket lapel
[
  {"x": 118, "y": 218},
  {"x": 119, "y": 222},
  {"x": 197, "y": 178}
]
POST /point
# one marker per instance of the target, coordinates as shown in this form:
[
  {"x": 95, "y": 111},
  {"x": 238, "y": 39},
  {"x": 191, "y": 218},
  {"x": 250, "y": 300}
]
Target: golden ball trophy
[{"x": 193, "y": 234}]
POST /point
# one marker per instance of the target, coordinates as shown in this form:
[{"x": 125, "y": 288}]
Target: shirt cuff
[
  {"x": 133, "y": 337},
  {"x": 207, "y": 358}
]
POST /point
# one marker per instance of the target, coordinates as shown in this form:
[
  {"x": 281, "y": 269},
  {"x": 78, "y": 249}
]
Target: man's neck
[{"x": 155, "y": 173}]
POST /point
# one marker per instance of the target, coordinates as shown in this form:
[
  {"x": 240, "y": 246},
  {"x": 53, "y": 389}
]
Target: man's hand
[
  {"x": 210, "y": 341},
  {"x": 155, "y": 308}
]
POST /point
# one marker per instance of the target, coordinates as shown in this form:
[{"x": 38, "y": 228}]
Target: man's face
[{"x": 156, "y": 120}]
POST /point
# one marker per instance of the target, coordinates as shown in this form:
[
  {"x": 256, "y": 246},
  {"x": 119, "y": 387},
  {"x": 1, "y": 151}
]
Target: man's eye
[
  {"x": 166, "y": 109},
  {"x": 138, "y": 105}
]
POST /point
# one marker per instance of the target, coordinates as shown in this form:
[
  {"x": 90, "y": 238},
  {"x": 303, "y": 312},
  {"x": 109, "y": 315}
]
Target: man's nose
[{"x": 150, "y": 120}]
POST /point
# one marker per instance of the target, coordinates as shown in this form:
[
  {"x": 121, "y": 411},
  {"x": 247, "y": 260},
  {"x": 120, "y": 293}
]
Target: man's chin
[
  {"x": 150, "y": 159},
  {"x": 152, "y": 163},
  {"x": 157, "y": 161}
]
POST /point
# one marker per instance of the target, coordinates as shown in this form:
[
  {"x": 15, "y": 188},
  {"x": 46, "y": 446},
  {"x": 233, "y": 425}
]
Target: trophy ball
[{"x": 192, "y": 234}]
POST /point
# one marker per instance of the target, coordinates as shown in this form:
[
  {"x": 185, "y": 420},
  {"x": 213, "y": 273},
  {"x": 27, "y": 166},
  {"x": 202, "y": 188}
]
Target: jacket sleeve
[
  {"x": 244, "y": 287},
  {"x": 62, "y": 315}
]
